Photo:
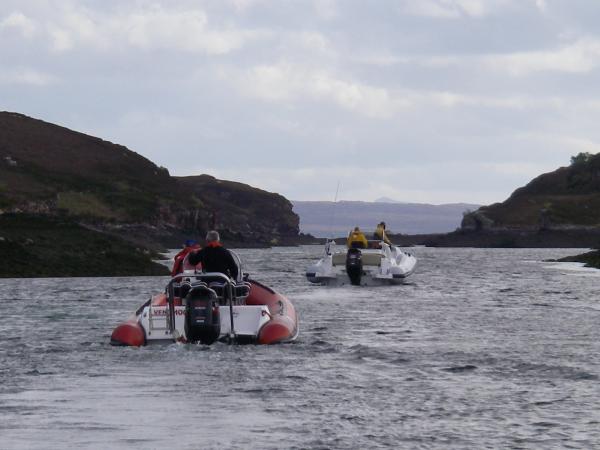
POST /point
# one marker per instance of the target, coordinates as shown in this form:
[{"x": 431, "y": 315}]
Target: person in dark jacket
[{"x": 214, "y": 257}]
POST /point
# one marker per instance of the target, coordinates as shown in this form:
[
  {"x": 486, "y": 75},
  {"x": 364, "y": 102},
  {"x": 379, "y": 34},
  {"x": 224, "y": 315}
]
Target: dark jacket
[{"x": 215, "y": 259}]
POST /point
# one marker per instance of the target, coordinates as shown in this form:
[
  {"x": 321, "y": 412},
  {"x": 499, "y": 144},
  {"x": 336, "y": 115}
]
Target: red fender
[
  {"x": 283, "y": 325},
  {"x": 129, "y": 333}
]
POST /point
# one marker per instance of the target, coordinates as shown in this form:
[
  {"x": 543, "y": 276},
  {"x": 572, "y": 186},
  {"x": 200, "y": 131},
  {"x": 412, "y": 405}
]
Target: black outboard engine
[
  {"x": 202, "y": 318},
  {"x": 354, "y": 267}
]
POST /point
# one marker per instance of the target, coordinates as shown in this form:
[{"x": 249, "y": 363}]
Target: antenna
[{"x": 337, "y": 190}]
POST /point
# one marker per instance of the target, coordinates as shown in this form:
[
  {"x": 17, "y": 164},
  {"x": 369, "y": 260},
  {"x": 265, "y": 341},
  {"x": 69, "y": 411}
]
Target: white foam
[{"x": 576, "y": 268}]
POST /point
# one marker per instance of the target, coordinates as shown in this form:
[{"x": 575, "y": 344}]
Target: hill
[
  {"x": 51, "y": 170},
  {"x": 556, "y": 209},
  {"x": 567, "y": 198},
  {"x": 324, "y": 219}
]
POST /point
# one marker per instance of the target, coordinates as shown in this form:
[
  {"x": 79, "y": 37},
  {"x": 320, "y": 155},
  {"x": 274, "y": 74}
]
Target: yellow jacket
[
  {"x": 357, "y": 236},
  {"x": 380, "y": 234}
]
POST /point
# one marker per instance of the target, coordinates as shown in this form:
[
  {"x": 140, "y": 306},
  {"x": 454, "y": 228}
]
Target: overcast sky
[{"x": 418, "y": 100}]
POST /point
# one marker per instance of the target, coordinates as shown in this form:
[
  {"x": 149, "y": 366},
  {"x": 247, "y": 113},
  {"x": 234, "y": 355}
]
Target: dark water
[{"x": 484, "y": 349}]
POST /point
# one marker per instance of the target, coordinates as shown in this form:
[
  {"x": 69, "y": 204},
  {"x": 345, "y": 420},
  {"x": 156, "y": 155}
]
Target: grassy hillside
[
  {"x": 45, "y": 167},
  {"x": 41, "y": 246},
  {"x": 48, "y": 169},
  {"x": 567, "y": 197},
  {"x": 76, "y": 205}
]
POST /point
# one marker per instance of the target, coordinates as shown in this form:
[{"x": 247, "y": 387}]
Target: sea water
[{"x": 483, "y": 348}]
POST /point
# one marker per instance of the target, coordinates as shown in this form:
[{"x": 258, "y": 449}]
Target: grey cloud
[{"x": 292, "y": 94}]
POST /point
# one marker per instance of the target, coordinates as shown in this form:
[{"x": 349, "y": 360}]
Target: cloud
[
  {"x": 581, "y": 56},
  {"x": 444, "y": 182},
  {"x": 570, "y": 145},
  {"x": 326, "y": 9},
  {"x": 146, "y": 28},
  {"x": 20, "y": 22},
  {"x": 289, "y": 83},
  {"x": 61, "y": 39},
  {"x": 312, "y": 41},
  {"x": 542, "y": 5},
  {"x": 182, "y": 30},
  {"x": 273, "y": 84},
  {"x": 242, "y": 5},
  {"x": 451, "y": 9},
  {"x": 514, "y": 102},
  {"x": 25, "y": 76},
  {"x": 286, "y": 82}
]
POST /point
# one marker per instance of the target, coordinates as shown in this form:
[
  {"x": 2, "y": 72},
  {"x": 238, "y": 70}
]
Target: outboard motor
[
  {"x": 202, "y": 318},
  {"x": 354, "y": 267}
]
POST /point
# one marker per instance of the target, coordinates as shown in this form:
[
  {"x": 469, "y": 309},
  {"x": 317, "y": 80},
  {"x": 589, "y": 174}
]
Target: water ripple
[{"x": 483, "y": 349}]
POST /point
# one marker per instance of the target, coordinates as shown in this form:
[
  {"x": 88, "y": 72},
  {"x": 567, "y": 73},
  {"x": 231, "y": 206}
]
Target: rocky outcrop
[{"x": 476, "y": 221}]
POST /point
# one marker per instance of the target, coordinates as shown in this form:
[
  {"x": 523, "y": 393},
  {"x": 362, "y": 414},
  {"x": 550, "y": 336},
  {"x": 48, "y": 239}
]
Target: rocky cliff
[{"x": 50, "y": 170}]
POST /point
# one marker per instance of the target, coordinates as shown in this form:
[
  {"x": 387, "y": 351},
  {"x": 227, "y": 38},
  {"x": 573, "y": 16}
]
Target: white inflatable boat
[{"x": 379, "y": 264}]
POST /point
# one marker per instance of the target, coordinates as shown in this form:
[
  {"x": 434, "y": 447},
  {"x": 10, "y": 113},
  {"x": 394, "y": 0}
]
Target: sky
[{"x": 433, "y": 101}]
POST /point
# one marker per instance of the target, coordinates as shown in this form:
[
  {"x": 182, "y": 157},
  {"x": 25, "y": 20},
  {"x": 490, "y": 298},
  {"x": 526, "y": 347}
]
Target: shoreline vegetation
[
  {"x": 53, "y": 247},
  {"x": 44, "y": 246}
]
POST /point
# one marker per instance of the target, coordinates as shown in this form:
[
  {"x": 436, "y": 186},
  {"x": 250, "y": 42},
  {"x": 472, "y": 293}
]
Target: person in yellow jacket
[
  {"x": 357, "y": 239},
  {"x": 380, "y": 234}
]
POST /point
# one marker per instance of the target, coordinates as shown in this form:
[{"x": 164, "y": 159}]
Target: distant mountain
[
  {"x": 50, "y": 170},
  {"x": 325, "y": 219},
  {"x": 386, "y": 200}
]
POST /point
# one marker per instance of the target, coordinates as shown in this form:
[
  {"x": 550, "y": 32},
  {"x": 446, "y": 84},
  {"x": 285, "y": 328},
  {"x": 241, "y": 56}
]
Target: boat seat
[
  {"x": 368, "y": 259},
  {"x": 371, "y": 259},
  {"x": 374, "y": 244},
  {"x": 241, "y": 291},
  {"x": 338, "y": 259}
]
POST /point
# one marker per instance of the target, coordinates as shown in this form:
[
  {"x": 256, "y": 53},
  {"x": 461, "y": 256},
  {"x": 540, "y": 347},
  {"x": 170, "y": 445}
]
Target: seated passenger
[
  {"x": 189, "y": 246},
  {"x": 214, "y": 257},
  {"x": 380, "y": 234},
  {"x": 357, "y": 239}
]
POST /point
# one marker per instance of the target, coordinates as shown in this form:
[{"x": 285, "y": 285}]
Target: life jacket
[
  {"x": 180, "y": 258},
  {"x": 357, "y": 237},
  {"x": 380, "y": 234}
]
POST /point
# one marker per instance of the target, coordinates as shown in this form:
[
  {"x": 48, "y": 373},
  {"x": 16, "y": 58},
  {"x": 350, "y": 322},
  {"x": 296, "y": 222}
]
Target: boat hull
[
  {"x": 279, "y": 324},
  {"x": 379, "y": 267}
]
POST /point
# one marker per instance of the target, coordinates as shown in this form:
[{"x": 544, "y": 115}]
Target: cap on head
[
  {"x": 190, "y": 242},
  {"x": 356, "y": 229},
  {"x": 212, "y": 236},
  {"x": 382, "y": 224}
]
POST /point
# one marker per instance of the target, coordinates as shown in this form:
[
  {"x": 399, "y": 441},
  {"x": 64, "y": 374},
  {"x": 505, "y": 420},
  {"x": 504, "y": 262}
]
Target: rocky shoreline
[
  {"x": 44, "y": 246},
  {"x": 54, "y": 246},
  {"x": 590, "y": 259},
  {"x": 565, "y": 238},
  {"x": 558, "y": 238}
]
